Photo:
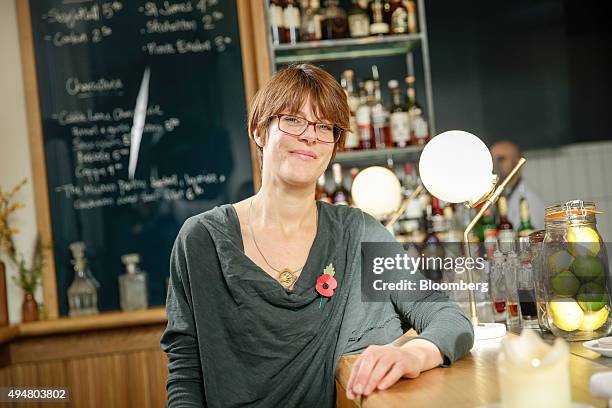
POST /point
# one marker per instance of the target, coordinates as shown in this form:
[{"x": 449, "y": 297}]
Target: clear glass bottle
[
  {"x": 575, "y": 275},
  {"x": 498, "y": 287},
  {"x": 363, "y": 116},
  {"x": 275, "y": 15},
  {"x": 292, "y": 20},
  {"x": 132, "y": 285},
  {"x": 82, "y": 293},
  {"x": 513, "y": 307}
]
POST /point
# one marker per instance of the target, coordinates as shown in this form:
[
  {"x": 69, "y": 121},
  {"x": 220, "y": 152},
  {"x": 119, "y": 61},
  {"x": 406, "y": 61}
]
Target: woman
[{"x": 247, "y": 323}]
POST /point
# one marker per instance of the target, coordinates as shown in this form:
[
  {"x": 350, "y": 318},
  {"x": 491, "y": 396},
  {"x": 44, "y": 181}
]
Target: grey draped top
[{"x": 235, "y": 337}]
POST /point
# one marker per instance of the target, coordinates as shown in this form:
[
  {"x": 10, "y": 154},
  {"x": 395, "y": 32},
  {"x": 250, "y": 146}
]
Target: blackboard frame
[{"x": 256, "y": 70}]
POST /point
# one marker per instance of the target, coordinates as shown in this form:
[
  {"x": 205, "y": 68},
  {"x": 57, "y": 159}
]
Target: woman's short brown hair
[{"x": 288, "y": 90}]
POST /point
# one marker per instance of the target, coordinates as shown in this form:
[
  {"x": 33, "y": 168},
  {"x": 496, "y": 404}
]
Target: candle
[{"x": 532, "y": 373}]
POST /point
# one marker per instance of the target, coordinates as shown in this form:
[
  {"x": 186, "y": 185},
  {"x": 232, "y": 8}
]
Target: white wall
[
  {"x": 579, "y": 171},
  {"x": 14, "y": 150}
]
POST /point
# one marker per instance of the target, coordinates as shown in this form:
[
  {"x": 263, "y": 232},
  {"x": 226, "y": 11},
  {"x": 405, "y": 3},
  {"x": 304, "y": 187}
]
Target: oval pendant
[{"x": 286, "y": 278}]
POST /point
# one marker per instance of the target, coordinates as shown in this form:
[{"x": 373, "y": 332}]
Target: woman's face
[{"x": 296, "y": 160}]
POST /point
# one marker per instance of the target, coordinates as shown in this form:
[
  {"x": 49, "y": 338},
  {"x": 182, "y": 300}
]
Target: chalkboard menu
[{"x": 143, "y": 120}]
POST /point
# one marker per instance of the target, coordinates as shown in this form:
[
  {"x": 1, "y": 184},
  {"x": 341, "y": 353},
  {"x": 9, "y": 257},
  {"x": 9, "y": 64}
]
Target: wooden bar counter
[
  {"x": 471, "y": 382},
  {"x": 109, "y": 360}
]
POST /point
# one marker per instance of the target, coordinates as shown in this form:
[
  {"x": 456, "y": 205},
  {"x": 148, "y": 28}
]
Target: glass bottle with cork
[
  {"x": 419, "y": 129},
  {"x": 133, "y": 285},
  {"x": 82, "y": 293}
]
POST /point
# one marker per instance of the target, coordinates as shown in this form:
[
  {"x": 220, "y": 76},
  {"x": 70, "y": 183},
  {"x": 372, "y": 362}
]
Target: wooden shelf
[
  {"x": 348, "y": 48},
  {"x": 105, "y": 320}
]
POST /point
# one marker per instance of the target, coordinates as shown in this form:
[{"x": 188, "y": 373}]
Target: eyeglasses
[{"x": 297, "y": 125}]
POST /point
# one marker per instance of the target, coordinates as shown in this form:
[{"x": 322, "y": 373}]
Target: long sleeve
[
  {"x": 430, "y": 313},
  {"x": 179, "y": 340}
]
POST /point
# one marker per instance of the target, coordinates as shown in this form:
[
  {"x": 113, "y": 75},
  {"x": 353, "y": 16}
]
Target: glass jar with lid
[{"x": 575, "y": 278}]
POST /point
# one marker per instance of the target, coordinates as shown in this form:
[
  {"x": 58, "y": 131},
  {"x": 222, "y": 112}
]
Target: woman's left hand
[{"x": 379, "y": 367}]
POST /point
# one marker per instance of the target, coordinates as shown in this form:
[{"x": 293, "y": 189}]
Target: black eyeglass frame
[{"x": 340, "y": 130}]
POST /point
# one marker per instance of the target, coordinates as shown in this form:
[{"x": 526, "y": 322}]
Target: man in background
[{"x": 506, "y": 155}]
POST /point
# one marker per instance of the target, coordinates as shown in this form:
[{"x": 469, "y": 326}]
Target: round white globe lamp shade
[
  {"x": 377, "y": 191},
  {"x": 456, "y": 167}
]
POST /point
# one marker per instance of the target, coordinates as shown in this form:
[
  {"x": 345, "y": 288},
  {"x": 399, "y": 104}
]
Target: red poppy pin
[{"x": 326, "y": 283}]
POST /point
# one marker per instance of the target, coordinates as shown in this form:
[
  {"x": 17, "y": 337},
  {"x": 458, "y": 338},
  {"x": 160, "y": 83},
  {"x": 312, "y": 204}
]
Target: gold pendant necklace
[{"x": 286, "y": 277}]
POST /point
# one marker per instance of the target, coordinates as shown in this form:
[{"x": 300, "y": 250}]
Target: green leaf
[{"x": 329, "y": 269}]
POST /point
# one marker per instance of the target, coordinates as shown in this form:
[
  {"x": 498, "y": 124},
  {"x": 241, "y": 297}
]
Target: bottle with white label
[
  {"x": 363, "y": 116},
  {"x": 400, "y": 123},
  {"x": 419, "y": 129},
  {"x": 358, "y": 20}
]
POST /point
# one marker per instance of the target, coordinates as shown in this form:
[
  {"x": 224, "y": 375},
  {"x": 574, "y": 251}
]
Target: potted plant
[
  {"x": 28, "y": 279},
  {"x": 7, "y": 246}
]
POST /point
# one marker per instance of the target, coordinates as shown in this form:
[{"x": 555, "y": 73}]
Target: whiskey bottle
[
  {"x": 335, "y": 24},
  {"x": 311, "y": 21},
  {"x": 398, "y": 17},
  {"x": 82, "y": 293},
  {"x": 292, "y": 21},
  {"x": 419, "y": 130},
  {"x": 526, "y": 228},
  {"x": 378, "y": 25},
  {"x": 276, "y": 21},
  {"x": 358, "y": 19},
  {"x": 380, "y": 116},
  {"x": 133, "y": 285},
  {"x": 340, "y": 195},
  {"x": 363, "y": 115},
  {"x": 351, "y": 142},
  {"x": 412, "y": 16},
  {"x": 505, "y": 231},
  {"x": 400, "y": 124}
]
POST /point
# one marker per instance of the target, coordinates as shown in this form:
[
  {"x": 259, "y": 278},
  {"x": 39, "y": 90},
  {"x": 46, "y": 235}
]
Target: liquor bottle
[
  {"x": 311, "y": 21},
  {"x": 292, "y": 21},
  {"x": 358, "y": 19},
  {"x": 505, "y": 231},
  {"x": 380, "y": 116},
  {"x": 412, "y": 16},
  {"x": 400, "y": 125},
  {"x": 488, "y": 231},
  {"x": 321, "y": 190},
  {"x": 340, "y": 195},
  {"x": 398, "y": 15},
  {"x": 82, "y": 293},
  {"x": 526, "y": 286},
  {"x": 363, "y": 116},
  {"x": 378, "y": 25},
  {"x": 133, "y": 285},
  {"x": 419, "y": 130},
  {"x": 276, "y": 21},
  {"x": 335, "y": 24},
  {"x": 526, "y": 228},
  {"x": 351, "y": 142}
]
